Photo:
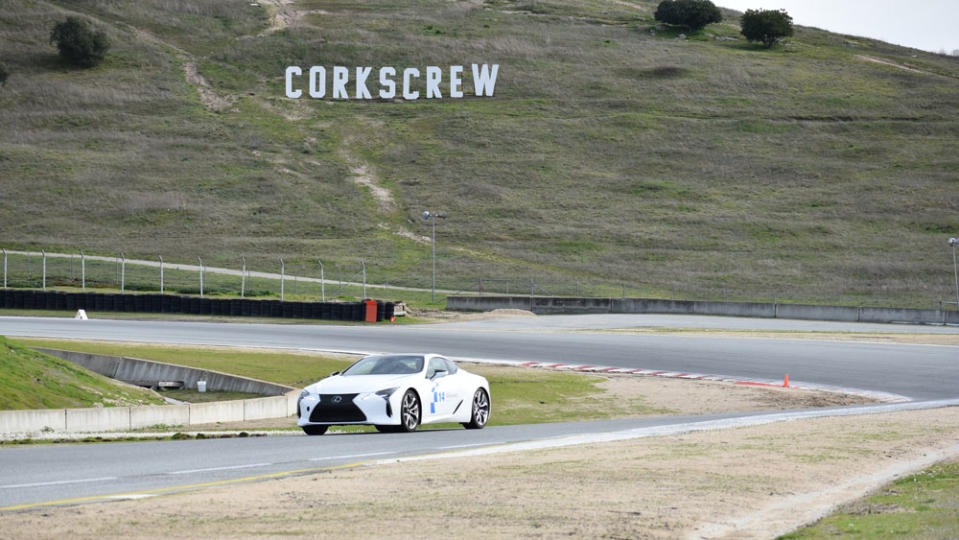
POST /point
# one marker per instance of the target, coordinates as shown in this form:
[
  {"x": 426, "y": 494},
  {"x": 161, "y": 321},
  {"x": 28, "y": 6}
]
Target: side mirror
[
  {"x": 334, "y": 374},
  {"x": 439, "y": 373}
]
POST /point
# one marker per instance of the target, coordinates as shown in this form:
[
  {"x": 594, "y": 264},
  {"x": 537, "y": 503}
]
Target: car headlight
[{"x": 386, "y": 392}]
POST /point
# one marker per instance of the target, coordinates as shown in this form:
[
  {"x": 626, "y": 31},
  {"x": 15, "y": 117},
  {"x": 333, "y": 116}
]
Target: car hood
[{"x": 355, "y": 384}]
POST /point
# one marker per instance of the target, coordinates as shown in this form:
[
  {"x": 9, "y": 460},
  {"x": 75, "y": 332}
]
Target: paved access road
[{"x": 915, "y": 371}]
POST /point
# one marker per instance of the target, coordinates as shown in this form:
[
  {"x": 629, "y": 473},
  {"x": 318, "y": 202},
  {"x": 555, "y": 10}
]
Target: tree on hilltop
[
  {"x": 79, "y": 45},
  {"x": 692, "y": 14},
  {"x": 766, "y": 25}
]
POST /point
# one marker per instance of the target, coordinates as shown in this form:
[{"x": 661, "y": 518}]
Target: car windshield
[{"x": 386, "y": 365}]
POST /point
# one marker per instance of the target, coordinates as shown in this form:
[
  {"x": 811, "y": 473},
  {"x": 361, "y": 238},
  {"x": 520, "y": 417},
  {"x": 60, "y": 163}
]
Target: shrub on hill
[
  {"x": 692, "y": 14},
  {"x": 767, "y": 26},
  {"x": 79, "y": 45},
  {"x": 4, "y": 73}
]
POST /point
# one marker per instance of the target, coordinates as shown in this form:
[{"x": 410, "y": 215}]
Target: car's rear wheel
[
  {"x": 481, "y": 408},
  {"x": 409, "y": 412},
  {"x": 315, "y": 430}
]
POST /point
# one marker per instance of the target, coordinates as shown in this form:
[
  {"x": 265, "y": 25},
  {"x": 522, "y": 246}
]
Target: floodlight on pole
[{"x": 431, "y": 216}]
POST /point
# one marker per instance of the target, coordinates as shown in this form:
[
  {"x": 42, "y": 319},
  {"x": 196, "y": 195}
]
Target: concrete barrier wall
[
  {"x": 551, "y": 304},
  {"x": 269, "y": 407},
  {"x": 33, "y": 421},
  {"x": 216, "y": 411},
  {"x": 136, "y": 371},
  {"x": 98, "y": 419},
  {"x": 168, "y": 415}
]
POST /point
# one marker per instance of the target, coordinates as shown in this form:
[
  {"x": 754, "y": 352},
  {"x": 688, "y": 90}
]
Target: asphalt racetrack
[{"x": 37, "y": 475}]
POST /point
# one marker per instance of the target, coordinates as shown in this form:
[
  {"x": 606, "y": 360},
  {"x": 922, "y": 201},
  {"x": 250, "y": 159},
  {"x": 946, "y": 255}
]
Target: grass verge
[{"x": 922, "y": 505}]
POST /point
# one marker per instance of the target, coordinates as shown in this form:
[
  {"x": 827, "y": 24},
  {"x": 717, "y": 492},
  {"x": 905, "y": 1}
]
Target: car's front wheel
[
  {"x": 314, "y": 430},
  {"x": 409, "y": 411},
  {"x": 481, "y": 408}
]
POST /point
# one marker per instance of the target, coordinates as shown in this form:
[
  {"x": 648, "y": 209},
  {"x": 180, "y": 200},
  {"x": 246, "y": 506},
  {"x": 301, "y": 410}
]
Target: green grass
[
  {"x": 696, "y": 168},
  {"x": 920, "y": 506},
  {"x": 31, "y": 380},
  {"x": 520, "y": 396},
  {"x": 194, "y": 396}
]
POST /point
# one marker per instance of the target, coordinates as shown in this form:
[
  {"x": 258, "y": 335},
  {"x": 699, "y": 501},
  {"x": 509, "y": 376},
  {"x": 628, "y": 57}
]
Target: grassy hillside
[
  {"x": 31, "y": 380},
  {"x": 612, "y": 153}
]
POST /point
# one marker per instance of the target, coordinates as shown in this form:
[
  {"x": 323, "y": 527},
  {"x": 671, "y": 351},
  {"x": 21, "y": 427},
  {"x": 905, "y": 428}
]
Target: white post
[
  {"x": 44, "y": 279},
  {"x": 243, "y": 280},
  {"x": 201, "y": 275},
  {"x": 4, "y": 268},
  {"x": 364, "y": 279},
  {"x": 322, "y": 284},
  {"x": 123, "y": 273},
  {"x": 282, "y": 278},
  {"x": 161, "y": 272},
  {"x": 83, "y": 271},
  {"x": 955, "y": 271}
]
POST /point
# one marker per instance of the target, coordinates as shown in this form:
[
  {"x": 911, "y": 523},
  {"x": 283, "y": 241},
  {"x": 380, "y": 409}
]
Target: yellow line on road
[{"x": 158, "y": 491}]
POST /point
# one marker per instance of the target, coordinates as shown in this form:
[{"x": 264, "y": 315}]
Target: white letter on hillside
[
  {"x": 361, "y": 91},
  {"x": 456, "y": 80},
  {"x": 340, "y": 76},
  {"x": 434, "y": 76},
  {"x": 386, "y": 81},
  {"x": 290, "y": 72},
  {"x": 483, "y": 81},
  {"x": 317, "y": 82},
  {"x": 407, "y": 73}
]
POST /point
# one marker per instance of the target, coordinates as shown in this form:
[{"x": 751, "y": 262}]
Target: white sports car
[{"x": 396, "y": 392}]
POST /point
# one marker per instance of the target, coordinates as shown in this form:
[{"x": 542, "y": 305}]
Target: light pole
[
  {"x": 953, "y": 242},
  {"x": 282, "y": 279},
  {"x": 431, "y": 216},
  {"x": 322, "y": 283},
  {"x": 161, "y": 272},
  {"x": 243, "y": 280},
  {"x": 199, "y": 260}
]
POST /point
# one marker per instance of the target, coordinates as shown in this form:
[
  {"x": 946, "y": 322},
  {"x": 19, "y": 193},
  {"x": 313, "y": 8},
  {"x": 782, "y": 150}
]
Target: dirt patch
[
  {"x": 747, "y": 483},
  {"x": 440, "y": 315},
  {"x": 875, "y": 60}
]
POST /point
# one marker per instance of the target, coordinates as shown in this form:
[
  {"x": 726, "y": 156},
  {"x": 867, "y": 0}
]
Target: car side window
[
  {"x": 436, "y": 364},
  {"x": 450, "y": 366}
]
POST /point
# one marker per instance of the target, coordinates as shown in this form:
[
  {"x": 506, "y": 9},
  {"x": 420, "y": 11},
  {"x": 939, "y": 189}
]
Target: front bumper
[{"x": 340, "y": 409}]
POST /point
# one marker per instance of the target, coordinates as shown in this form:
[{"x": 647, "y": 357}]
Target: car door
[{"x": 442, "y": 396}]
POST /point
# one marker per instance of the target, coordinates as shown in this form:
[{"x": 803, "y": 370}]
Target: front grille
[{"x": 344, "y": 411}]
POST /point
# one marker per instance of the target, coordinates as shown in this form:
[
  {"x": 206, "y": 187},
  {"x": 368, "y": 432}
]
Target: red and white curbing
[{"x": 880, "y": 396}]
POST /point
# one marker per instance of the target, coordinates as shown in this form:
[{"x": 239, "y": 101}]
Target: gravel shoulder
[{"x": 752, "y": 482}]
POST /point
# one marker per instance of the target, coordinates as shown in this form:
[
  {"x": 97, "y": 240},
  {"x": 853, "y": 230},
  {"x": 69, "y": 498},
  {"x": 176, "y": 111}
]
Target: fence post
[
  {"x": 364, "y": 278},
  {"x": 123, "y": 273},
  {"x": 43, "y": 281},
  {"x": 282, "y": 278},
  {"x": 83, "y": 271},
  {"x": 199, "y": 260},
  {"x": 322, "y": 283},
  {"x": 161, "y": 273},
  {"x": 243, "y": 280},
  {"x": 4, "y": 268}
]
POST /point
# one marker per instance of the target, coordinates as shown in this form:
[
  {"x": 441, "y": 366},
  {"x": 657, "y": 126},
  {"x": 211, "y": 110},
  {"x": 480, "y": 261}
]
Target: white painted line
[
  {"x": 229, "y": 468},
  {"x": 349, "y": 456},
  {"x": 132, "y": 496},
  {"x": 58, "y": 482},
  {"x": 466, "y": 445}
]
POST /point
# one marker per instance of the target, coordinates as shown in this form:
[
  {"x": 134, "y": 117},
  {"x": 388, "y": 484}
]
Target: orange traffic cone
[{"x": 786, "y": 381}]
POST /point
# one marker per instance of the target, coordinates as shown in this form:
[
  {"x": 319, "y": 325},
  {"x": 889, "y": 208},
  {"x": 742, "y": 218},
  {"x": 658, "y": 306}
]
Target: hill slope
[
  {"x": 32, "y": 380},
  {"x": 611, "y": 152}
]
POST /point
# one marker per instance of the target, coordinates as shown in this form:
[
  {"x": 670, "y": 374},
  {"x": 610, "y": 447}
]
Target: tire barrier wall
[
  {"x": 167, "y": 303},
  {"x": 555, "y": 305}
]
